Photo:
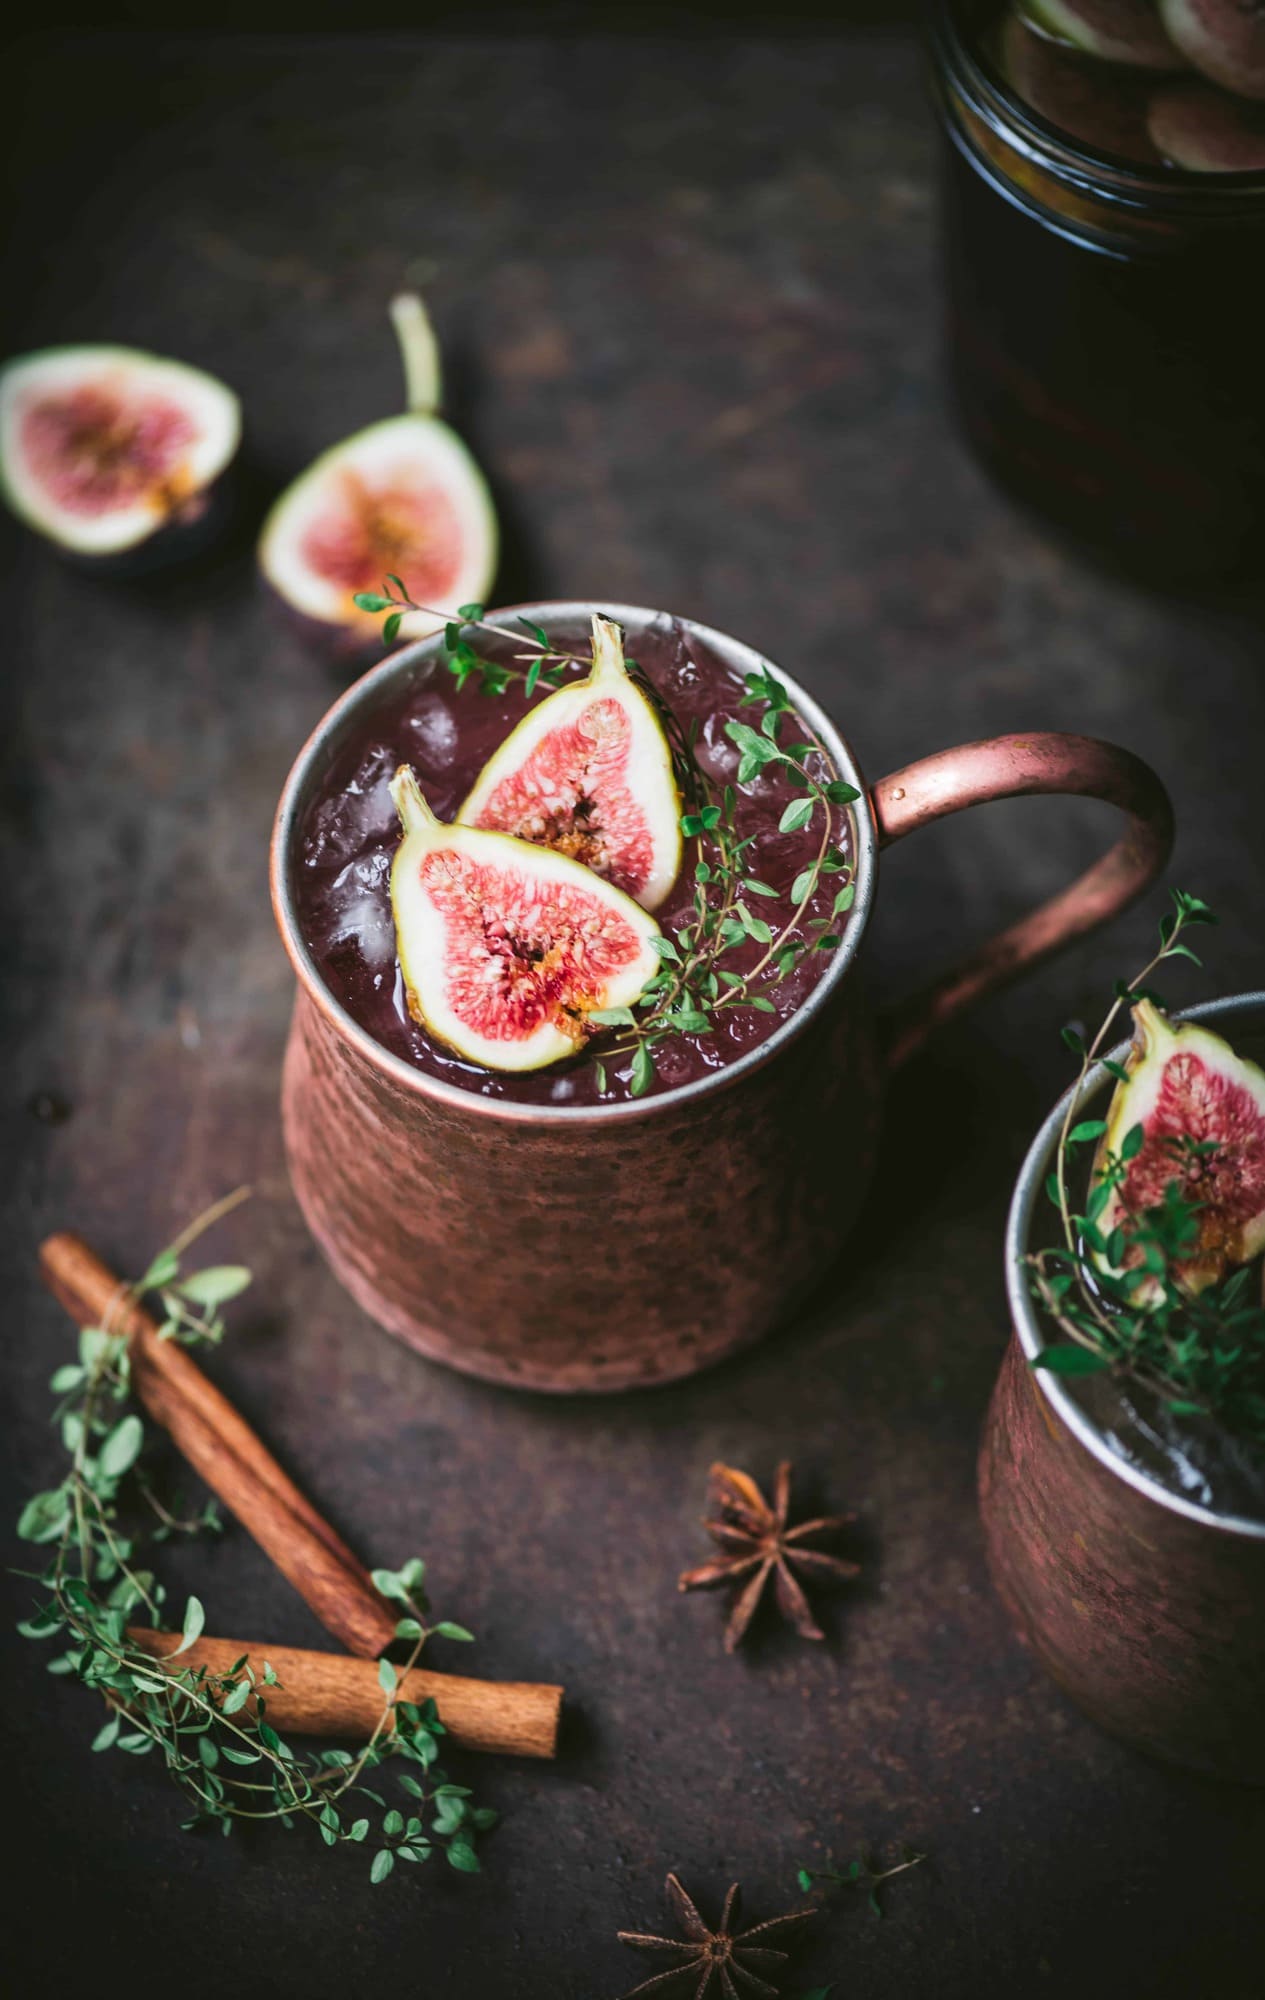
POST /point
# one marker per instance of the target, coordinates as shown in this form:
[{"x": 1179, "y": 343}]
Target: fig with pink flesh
[
  {"x": 507, "y": 949},
  {"x": 1223, "y": 39},
  {"x": 1128, "y": 32},
  {"x": 1101, "y": 106},
  {"x": 115, "y": 455},
  {"x": 403, "y": 498},
  {"x": 1200, "y": 128},
  {"x": 1201, "y": 1109},
  {"x": 588, "y": 773}
]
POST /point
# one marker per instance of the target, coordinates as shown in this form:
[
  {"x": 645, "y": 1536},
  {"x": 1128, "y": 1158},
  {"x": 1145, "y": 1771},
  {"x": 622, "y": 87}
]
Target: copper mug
[
  {"x": 620, "y": 1245},
  {"x": 1145, "y": 1604}
]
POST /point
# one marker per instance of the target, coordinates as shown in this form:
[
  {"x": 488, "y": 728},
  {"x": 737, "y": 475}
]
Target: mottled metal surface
[
  {"x": 1154, "y": 1623},
  {"x": 690, "y": 294}
]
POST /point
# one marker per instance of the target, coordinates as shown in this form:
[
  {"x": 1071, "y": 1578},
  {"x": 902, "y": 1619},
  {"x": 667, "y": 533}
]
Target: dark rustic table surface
[{"x": 689, "y": 292}]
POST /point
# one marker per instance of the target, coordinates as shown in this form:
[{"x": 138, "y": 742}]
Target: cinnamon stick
[
  {"x": 323, "y": 1694},
  {"x": 225, "y": 1451}
]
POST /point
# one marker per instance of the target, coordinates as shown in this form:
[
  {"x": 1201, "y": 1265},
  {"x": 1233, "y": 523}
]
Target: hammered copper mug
[
  {"x": 620, "y": 1245},
  {"x": 1144, "y": 1601}
]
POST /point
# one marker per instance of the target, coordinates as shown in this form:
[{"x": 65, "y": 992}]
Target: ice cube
[
  {"x": 347, "y": 822},
  {"x": 434, "y": 731}
]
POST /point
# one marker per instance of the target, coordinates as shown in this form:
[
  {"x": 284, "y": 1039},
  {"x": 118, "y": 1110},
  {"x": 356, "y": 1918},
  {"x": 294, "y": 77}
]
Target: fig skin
[
  {"x": 647, "y": 778},
  {"x": 1226, "y": 1239},
  {"x": 616, "y": 932},
  {"x": 1099, "y": 106},
  {"x": 1223, "y": 39},
  {"x": 1199, "y": 128},
  {"x": 1127, "y": 32}
]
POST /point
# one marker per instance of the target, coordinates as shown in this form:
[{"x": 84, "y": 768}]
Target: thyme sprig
[
  {"x": 212, "y": 1730},
  {"x": 864, "y": 1873},
  {"x": 1118, "y": 1297},
  {"x": 694, "y": 985}
]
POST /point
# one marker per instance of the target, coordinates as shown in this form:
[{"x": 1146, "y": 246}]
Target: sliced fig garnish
[
  {"x": 403, "y": 498},
  {"x": 1103, "y": 107},
  {"x": 507, "y": 949},
  {"x": 1196, "y": 126},
  {"x": 1201, "y": 1108},
  {"x": 588, "y": 773},
  {"x": 1128, "y": 32},
  {"x": 102, "y": 449},
  {"x": 1223, "y": 39}
]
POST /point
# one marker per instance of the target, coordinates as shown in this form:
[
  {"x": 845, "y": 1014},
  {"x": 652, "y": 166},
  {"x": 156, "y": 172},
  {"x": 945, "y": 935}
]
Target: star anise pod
[
  {"x": 757, "y": 1542},
  {"x": 734, "y": 1960}
]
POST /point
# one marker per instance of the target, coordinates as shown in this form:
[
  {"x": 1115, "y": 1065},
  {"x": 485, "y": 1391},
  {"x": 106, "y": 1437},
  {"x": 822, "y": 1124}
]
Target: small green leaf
[
  {"x": 1089, "y": 1128},
  {"x": 408, "y": 1628},
  {"x": 388, "y": 1679},
  {"x": 214, "y": 1286},
  {"x": 1132, "y": 1143},
  {"x": 391, "y": 628},
  {"x": 642, "y": 1070},
  {"x": 108, "y": 1735},
  {"x": 382, "y": 1864},
  {"x": 447, "y": 1630},
  {"x": 795, "y": 815},
  {"x": 121, "y": 1448},
  {"x": 463, "y": 1857},
  {"x": 369, "y": 600},
  {"x": 194, "y": 1620},
  {"x": 1065, "y": 1358}
]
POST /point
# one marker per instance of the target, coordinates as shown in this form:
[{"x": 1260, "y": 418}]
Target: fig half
[
  {"x": 1206, "y": 131},
  {"x": 403, "y": 498},
  {"x": 506, "y": 949},
  {"x": 588, "y": 773},
  {"x": 1202, "y": 1112},
  {"x": 1100, "y": 105},
  {"x": 1223, "y": 39},
  {"x": 111, "y": 453}
]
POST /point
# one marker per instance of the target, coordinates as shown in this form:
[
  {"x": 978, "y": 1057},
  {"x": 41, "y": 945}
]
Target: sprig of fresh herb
[
  {"x": 694, "y": 985},
  {"x": 864, "y": 1873},
  {"x": 1118, "y": 1297},
  {"x": 538, "y": 660},
  {"x": 212, "y": 1730}
]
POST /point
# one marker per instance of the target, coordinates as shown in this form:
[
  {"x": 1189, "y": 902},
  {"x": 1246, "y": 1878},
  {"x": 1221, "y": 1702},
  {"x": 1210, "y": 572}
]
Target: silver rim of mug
[
  {"x": 1029, "y": 1191},
  {"x": 408, "y": 661}
]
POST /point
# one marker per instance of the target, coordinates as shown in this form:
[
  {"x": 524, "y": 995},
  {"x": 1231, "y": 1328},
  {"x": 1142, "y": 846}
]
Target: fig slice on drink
[
  {"x": 1201, "y": 1109},
  {"x": 402, "y": 498},
  {"x": 506, "y": 948},
  {"x": 588, "y": 773},
  {"x": 111, "y": 453}
]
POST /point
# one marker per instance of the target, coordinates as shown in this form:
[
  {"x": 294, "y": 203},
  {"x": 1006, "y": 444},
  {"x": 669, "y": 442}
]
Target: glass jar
[{"x": 1106, "y": 341}]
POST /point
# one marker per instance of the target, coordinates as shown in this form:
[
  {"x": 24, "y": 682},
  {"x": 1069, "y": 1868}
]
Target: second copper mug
[{"x": 619, "y": 1245}]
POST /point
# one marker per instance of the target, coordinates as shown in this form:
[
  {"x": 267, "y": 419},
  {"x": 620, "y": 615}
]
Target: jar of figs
[{"x": 1104, "y": 204}]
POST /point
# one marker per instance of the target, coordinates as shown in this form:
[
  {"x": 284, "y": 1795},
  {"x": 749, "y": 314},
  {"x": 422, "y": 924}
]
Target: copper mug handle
[{"x": 1007, "y": 767}]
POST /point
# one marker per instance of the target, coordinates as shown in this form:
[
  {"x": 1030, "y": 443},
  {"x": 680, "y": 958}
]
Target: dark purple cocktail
[{"x": 447, "y": 731}]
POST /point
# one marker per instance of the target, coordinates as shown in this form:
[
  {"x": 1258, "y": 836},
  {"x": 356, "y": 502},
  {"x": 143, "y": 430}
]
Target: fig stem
[
  {"x": 419, "y": 352},
  {"x": 407, "y": 797},
  {"x": 608, "y": 650}
]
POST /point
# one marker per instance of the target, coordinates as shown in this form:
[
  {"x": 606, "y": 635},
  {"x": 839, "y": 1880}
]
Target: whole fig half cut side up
[
  {"x": 117, "y": 456},
  {"x": 588, "y": 773},
  {"x": 1201, "y": 1108},
  {"x": 1128, "y": 32},
  {"x": 506, "y": 949},
  {"x": 1101, "y": 106},
  {"x": 1202, "y": 129},
  {"x": 402, "y": 498},
  {"x": 1223, "y": 39}
]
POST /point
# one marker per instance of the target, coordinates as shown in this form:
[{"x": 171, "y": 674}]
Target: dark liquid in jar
[
  {"x": 1107, "y": 358},
  {"x": 350, "y": 832}
]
